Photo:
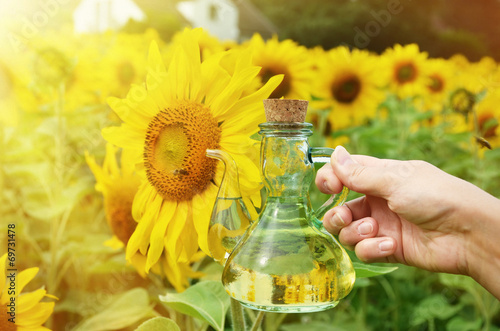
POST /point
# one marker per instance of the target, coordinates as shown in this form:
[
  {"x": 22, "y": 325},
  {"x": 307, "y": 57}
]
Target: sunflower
[
  {"x": 488, "y": 119},
  {"x": 119, "y": 186},
  {"x": 29, "y": 310},
  {"x": 207, "y": 43},
  {"x": 168, "y": 125},
  {"x": 349, "y": 83},
  {"x": 408, "y": 70},
  {"x": 440, "y": 83},
  {"x": 462, "y": 101},
  {"x": 124, "y": 62},
  {"x": 283, "y": 57}
]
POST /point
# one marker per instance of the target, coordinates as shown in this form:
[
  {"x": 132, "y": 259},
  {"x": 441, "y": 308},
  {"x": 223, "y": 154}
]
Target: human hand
[{"x": 413, "y": 213}]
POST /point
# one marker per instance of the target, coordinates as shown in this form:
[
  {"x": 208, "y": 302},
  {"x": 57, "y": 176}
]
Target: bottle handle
[{"x": 322, "y": 155}]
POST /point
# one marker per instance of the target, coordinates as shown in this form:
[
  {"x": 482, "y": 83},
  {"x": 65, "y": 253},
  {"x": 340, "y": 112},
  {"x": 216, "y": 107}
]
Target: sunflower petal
[
  {"x": 27, "y": 301},
  {"x": 215, "y": 80},
  {"x": 35, "y": 316},
  {"x": 189, "y": 238},
  {"x": 202, "y": 214},
  {"x": 123, "y": 136},
  {"x": 174, "y": 275},
  {"x": 3, "y": 277},
  {"x": 128, "y": 113},
  {"x": 250, "y": 110},
  {"x": 233, "y": 91},
  {"x": 24, "y": 277},
  {"x": 172, "y": 243},
  {"x": 139, "y": 239},
  {"x": 158, "y": 233}
]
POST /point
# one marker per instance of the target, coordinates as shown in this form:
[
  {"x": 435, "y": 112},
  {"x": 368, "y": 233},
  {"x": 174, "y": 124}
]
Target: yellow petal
[
  {"x": 202, "y": 214},
  {"x": 139, "y": 240},
  {"x": 114, "y": 243},
  {"x": 128, "y": 113},
  {"x": 27, "y": 301},
  {"x": 35, "y": 316},
  {"x": 167, "y": 211},
  {"x": 215, "y": 79},
  {"x": 37, "y": 328},
  {"x": 157, "y": 78},
  {"x": 124, "y": 136},
  {"x": 142, "y": 199},
  {"x": 231, "y": 94},
  {"x": 3, "y": 278},
  {"x": 139, "y": 262},
  {"x": 24, "y": 277},
  {"x": 172, "y": 241},
  {"x": 174, "y": 274},
  {"x": 249, "y": 110},
  {"x": 189, "y": 238}
]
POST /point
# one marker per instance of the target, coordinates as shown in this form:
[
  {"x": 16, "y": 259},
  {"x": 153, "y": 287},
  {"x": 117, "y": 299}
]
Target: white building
[
  {"x": 91, "y": 16},
  {"x": 218, "y": 17},
  {"x": 226, "y": 19}
]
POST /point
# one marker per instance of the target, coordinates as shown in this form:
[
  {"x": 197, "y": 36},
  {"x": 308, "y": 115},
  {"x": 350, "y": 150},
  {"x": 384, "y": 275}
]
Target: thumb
[{"x": 370, "y": 179}]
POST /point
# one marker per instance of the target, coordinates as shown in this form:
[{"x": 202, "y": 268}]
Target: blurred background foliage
[{"x": 440, "y": 27}]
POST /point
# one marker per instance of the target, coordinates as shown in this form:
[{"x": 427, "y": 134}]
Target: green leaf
[
  {"x": 158, "y": 324},
  {"x": 433, "y": 307},
  {"x": 460, "y": 324},
  {"x": 206, "y": 300},
  {"x": 124, "y": 310},
  {"x": 371, "y": 270}
]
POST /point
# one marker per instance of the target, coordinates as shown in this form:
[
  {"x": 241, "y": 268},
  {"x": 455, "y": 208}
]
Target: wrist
[{"x": 482, "y": 250}]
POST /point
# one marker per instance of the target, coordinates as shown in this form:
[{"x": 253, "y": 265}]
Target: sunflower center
[
  {"x": 462, "y": 101},
  {"x": 119, "y": 210},
  {"x": 346, "y": 89},
  {"x": 405, "y": 72},
  {"x": 436, "y": 84},
  {"x": 488, "y": 125},
  {"x": 174, "y": 152},
  {"x": 5, "y": 325},
  {"x": 283, "y": 88}
]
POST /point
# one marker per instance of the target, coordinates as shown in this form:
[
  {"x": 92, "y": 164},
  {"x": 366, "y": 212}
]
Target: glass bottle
[
  {"x": 230, "y": 216},
  {"x": 286, "y": 261}
]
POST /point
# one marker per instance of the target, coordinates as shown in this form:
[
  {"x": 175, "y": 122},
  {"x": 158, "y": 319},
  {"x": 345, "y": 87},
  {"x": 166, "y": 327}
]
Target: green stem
[
  {"x": 273, "y": 321},
  {"x": 258, "y": 321},
  {"x": 237, "y": 316}
]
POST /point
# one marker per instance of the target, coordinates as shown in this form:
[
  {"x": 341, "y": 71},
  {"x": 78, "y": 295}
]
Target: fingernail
[
  {"x": 342, "y": 156},
  {"x": 365, "y": 228},
  {"x": 385, "y": 245},
  {"x": 337, "y": 221}
]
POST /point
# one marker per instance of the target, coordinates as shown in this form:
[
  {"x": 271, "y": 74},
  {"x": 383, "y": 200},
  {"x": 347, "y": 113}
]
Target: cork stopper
[{"x": 285, "y": 110}]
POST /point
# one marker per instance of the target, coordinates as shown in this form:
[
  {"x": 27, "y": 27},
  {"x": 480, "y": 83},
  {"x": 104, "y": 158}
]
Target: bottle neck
[{"x": 285, "y": 162}]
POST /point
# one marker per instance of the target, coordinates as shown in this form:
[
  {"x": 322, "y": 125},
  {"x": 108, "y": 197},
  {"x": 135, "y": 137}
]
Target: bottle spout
[
  {"x": 230, "y": 217},
  {"x": 230, "y": 183}
]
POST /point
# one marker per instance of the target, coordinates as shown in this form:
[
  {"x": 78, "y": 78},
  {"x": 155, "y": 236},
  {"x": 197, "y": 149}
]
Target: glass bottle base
[{"x": 288, "y": 308}]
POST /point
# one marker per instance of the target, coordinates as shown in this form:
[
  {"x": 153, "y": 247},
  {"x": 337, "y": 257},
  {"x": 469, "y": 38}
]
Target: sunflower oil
[
  {"x": 228, "y": 224},
  {"x": 288, "y": 265}
]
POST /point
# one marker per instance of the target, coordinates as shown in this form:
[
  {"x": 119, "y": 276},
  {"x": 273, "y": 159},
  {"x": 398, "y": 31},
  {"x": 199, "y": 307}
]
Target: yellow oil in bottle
[
  {"x": 228, "y": 225},
  {"x": 288, "y": 270},
  {"x": 318, "y": 290}
]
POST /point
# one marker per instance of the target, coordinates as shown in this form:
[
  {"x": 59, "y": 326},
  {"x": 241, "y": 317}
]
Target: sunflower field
[{"x": 106, "y": 192}]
